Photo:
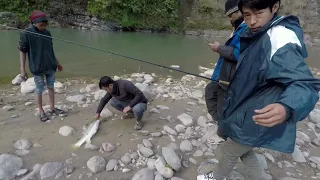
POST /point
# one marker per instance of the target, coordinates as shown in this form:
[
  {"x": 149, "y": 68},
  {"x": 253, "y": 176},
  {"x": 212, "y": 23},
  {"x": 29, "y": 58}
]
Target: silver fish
[{"x": 89, "y": 132}]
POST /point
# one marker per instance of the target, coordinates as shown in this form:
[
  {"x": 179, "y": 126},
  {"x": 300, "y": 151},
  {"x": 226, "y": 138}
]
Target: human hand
[
  {"x": 127, "y": 109},
  {"x": 97, "y": 116},
  {"x": 270, "y": 115},
  {"x": 214, "y": 46},
  {"x": 60, "y": 67},
  {"x": 24, "y": 75}
]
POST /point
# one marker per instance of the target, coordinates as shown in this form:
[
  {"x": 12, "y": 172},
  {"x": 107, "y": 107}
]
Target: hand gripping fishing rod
[{"x": 113, "y": 53}]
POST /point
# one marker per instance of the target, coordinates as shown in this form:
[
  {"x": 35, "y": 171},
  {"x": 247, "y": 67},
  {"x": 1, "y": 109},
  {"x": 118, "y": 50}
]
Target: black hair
[
  {"x": 105, "y": 81},
  {"x": 257, "y": 4}
]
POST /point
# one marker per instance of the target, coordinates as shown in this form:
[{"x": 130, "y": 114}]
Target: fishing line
[{"x": 113, "y": 53}]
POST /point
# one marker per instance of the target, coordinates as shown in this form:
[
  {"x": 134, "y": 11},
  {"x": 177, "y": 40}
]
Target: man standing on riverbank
[
  {"x": 36, "y": 42},
  {"x": 272, "y": 90},
  {"x": 229, "y": 54},
  {"x": 125, "y": 97}
]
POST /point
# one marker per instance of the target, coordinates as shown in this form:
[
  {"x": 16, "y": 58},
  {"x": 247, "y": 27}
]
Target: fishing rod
[{"x": 113, "y": 53}]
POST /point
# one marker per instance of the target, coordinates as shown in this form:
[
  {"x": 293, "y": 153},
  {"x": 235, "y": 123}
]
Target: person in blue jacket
[
  {"x": 272, "y": 89},
  {"x": 225, "y": 68}
]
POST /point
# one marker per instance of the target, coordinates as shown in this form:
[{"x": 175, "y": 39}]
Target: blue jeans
[
  {"x": 39, "y": 81},
  {"x": 138, "y": 109}
]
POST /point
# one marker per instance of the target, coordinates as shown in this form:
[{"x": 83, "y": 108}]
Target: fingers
[
  {"x": 264, "y": 116},
  {"x": 265, "y": 109}
]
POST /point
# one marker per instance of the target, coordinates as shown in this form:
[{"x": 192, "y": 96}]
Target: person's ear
[{"x": 276, "y": 7}]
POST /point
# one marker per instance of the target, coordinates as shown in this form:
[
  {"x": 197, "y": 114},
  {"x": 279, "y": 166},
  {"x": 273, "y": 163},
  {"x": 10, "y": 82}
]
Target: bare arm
[{"x": 23, "y": 57}]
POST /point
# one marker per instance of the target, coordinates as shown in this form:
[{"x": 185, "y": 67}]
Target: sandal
[
  {"x": 57, "y": 111},
  {"x": 43, "y": 117}
]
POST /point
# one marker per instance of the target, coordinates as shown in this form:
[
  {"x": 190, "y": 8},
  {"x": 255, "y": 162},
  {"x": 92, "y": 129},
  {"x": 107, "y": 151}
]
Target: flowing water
[{"x": 166, "y": 49}]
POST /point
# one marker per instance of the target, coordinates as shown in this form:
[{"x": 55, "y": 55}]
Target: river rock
[
  {"x": 151, "y": 164},
  {"x": 186, "y": 146},
  {"x": 314, "y": 116},
  {"x": 99, "y": 94},
  {"x": 316, "y": 142},
  {"x": 134, "y": 155},
  {"x": 176, "y": 178},
  {"x": 198, "y": 153},
  {"x": 144, "y": 174},
  {"x": 90, "y": 87},
  {"x": 125, "y": 170},
  {"x": 162, "y": 107},
  {"x": 108, "y": 147},
  {"x": 185, "y": 119},
  {"x": 145, "y": 90},
  {"x": 68, "y": 169},
  {"x": 146, "y": 152},
  {"x": 111, "y": 165},
  {"x": 303, "y": 136},
  {"x": 106, "y": 113},
  {"x": 180, "y": 128},
  {"x": 148, "y": 79},
  {"x": 159, "y": 177},
  {"x": 147, "y": 143},
  {"x": 22, "y": 172},
  {"x": 8, "y": 108},
  {"x": 96, "y": 164},
  {"x": 314, "y": 159},
  {"x": 170, "y": 130},
  {"x": 76, "y": 98},
  {"x": 193, "y": 161},
  {"x": 23, "y": 144},
  {"x": 196, "y": 143},
  {"x": 202, "y": 121},
  {"x": 9, "y": 166},
  {"x": 66, "y": 131},
  {"x": 155, "y": 110},
  {"x": 197, "y": 94},
  {"x": 50, "y": 169},
  {"x": 171, "y": 158},
  {"x": 126, "y": 159},
  {"x": 173, "y": 146},
  {"x": 91, "y": 146},
  {"x": 298, "y": 156},
  {"x": 28, "y": 86},
  {"x": 262, "y": 161},
  {"x": 17, "y": 80},
  {"x": 162, "y": 169},
  {"x": 22, "y": 152}
]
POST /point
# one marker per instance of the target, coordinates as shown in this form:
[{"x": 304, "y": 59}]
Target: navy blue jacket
[{"x": 271, "y": 69}]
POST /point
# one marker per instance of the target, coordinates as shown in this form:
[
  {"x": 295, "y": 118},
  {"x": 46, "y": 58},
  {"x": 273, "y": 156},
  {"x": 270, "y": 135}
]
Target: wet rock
[
  {"x": 198, "y": 153},
  {"x": 202, "y": 121},
  {"x": 59, "y": 174},
  {"x": 162, "y": 169},
  {"x": 28, "y": 86},
  {"x": 23, "y": 144},
  {"x": 173, "y": 146},
  {"x": 193, "y": 161},
  {"x": 314, "y": 159},
  {"x": 314, "y": 116},
  {"x": 147, "y": 143},
  {"x": 68, "y": 169},
  {"x": 161, "y": 107},
  {"x": 299, "y": 142},
  {"x": 269, "y": 157},
  {"x": 316, "y": 142},
  {"x": 144, "y": 174},
  {"x": 108, "y": 147},
  {"x": 91, "y": 147},
  {"x": 156, "y": 134},
  {"x": 176, "y": 178},
  {"x": 145, "y": 90},
  {"x": 185, "y": 119},
  {"x": 171, "y": 158},
  {"x": 111, "y": 165},
  {"x": 155, "y": 110},
  {"x": 288, "y": 178},
  {"x": 196, "y": 143},
  {"x": 17, "y": 80},
  {"x": 186, "y": 146},
  {"x": 159, "y": 177},
  {"x": 170, "y": 130},
  {"x": 126, "y": 160},
  {"x": 209, "y": 154},
  {"x": 99, "y": 94},
  {"x": 66, "y": 131},
  {"x": 10, "y": 165},
  {"x": 151, "y": 164},
  {"x": 50, "y": 169},
  {"x": 96, "y": 164},
  {"x": 134, "y": 155},
  {"x": 197, "y": 94},
  {"x": 125, "y": 170},
  {"x": 76, "y": 98},
  {"x": 180, "y": 128},
  {"x": 106, "y": 113},
  {"x": 28, "y": 103},
  {"x": 90, "y": 87},
  {"x": 22, "y": 152},
  {"x": 298, "y": 156},
  {"x": 262, "y": 161},
  {"x": 303, "y": 136},
  {"x": 146, "y": 152},
  {"x": 22, "y": 172},
  {"x": 8, "y": 108}
]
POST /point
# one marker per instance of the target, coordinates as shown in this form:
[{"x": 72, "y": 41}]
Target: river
[{"x": 166, "y": 49}]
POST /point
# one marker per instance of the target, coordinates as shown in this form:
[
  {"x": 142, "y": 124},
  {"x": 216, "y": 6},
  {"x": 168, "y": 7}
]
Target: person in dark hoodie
[
  {"x": 42, "y": 61},
  {"x": 272, "y": 89},
  {"x": 229, "y": 54},
  {"x": 125, "y": 97}
]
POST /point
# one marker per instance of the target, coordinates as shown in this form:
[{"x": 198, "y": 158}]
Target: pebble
[
  {"x": 170, "y": 130},
  {"x": 125, "y": 170},
  {"x": 303, "y": 136},
  {"x": 186, "y": 146},
  {"x": 22, "y": 172},
  {"x": 298, "y": 156},
  {"x": 185, "y": 119},
  {"x": 193, "y": 161},
  {"x": 108, "y": 147},
  {"x": 146, "y": 152},
  {"x": 66, "y": 131},
  {"x": 180, "y": 128},
  {"x": 209, "y": 154},
  {"x": 162, "y": 169},
  {"x": 91, "y": 147},
  {"x": 173, "y": 146},
  {"x": 111, "y": 165},
  {"x": 134, "y": 155},
  {"x": 68, "y": 169},
  {"x": 147, "y": 143},
  {"x": 202, "y": 121},
  {"x": 28, "y": 103},
  {"x": 151, "y": 164},
  {"x": 269, "y": 157},
  {"x": 23, "y": 144},
  {"x": 22, "y": 152},
  {"x": 143, "y": 174},
  {"x": 8, "y": 108},
  {"x": 171, "y": 158},
  {"x": 126, "y": 159},
  {"x": 156, "y": 134},
  {"x": 159, "y": 177},
  {"x": 198, "y": 153},
  {"x": 50, "y": 169},
  {"x": 69, "y": 161},
  {"x": 155, "y": 110}
]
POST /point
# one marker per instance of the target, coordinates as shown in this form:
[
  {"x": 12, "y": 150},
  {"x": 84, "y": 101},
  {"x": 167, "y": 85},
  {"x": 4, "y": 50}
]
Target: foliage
[
  {"x": 22, "y": 8},
  {"x": 153, "y": 14}
]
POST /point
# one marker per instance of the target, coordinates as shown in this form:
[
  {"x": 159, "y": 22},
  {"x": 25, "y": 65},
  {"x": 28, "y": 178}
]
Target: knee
[
  {"x": 39, "y": 82},
  {"x": 50, "y": 81},
  {"x": 139, "y": 108}
]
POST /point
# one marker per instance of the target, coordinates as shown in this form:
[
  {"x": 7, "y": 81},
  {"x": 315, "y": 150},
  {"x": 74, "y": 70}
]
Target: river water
[{"x": 166, "y": 49}]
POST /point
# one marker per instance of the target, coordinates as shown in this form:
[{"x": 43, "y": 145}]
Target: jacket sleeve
[
  {"x": 23, "y": 42},
  {"x": 229, "y": 53},
  {"x": 288, "y": 69},
  {"x": 103, "y": 102},
  {"x": 130, "y": 88}
]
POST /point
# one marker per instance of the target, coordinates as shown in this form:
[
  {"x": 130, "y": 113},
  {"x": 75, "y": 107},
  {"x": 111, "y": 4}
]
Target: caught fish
[{"x": 89, "y": 132}]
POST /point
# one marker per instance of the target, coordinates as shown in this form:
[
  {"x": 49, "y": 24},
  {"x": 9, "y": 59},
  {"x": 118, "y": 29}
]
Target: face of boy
[
  {"x": 42, "y": 26},
  {"x": 256, "y": 19}
]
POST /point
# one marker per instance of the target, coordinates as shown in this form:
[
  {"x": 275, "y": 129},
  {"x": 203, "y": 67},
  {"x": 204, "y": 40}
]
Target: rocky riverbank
[{"x": 178, "y": 135}]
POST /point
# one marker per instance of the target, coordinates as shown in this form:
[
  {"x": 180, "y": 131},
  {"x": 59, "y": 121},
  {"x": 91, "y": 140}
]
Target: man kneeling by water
[{"x": 123, "y": 96}]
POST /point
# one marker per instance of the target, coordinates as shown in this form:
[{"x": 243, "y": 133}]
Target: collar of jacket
[{"x": 115, "y": 88}]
